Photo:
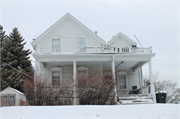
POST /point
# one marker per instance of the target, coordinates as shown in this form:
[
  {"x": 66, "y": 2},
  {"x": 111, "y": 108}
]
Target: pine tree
[
  {"x": 14, "y": 54},
  {"x": 2, "y": 35}
]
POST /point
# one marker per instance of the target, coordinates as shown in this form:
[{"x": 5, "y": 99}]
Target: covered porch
[{"x": 126, "y": 69}]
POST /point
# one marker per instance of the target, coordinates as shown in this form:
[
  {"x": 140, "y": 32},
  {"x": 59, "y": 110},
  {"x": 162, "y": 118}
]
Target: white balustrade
[{"x": 106, "y": 49}]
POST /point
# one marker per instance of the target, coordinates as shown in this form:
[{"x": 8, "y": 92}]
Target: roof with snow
[{"x": 13, "y": 90}]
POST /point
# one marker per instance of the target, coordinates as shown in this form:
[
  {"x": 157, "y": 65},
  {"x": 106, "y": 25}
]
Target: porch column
[
  {"x": 151, "y": 81},
  {"x": 114, "y": 76},
  {"x": 141, "y": 73},
  {"x": 75, "y": 81},
  {"x": 101, "y": 70}
]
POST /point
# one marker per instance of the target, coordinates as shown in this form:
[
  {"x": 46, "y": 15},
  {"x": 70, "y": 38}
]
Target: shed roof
[{"x": 13, "y": 90}]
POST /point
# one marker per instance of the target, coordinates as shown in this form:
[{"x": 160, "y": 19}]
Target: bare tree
[{"x": 165, "y": 85}]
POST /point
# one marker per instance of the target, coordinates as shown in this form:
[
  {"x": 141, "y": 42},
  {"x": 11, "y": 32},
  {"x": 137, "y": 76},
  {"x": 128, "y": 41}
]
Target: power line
[
  {"x": 138, "y": 41},
  {"x": 15, "y": 21},
  {"x": 18, "y": 70}
]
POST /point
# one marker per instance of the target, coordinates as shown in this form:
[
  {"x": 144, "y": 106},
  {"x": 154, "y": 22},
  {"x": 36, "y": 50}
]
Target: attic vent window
[{"x": 56, "y": 45}]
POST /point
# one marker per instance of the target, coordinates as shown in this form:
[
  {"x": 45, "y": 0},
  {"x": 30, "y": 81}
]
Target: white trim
[
  {"x": 60, "y": 39},
  {"x": 122, "y": 73},
  {"x": 56, "y": 69}
]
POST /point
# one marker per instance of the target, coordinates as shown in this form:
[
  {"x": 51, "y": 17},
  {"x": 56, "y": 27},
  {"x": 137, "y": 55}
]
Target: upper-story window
[
  {"x": 81, "y": 42},
  {"x": 55, "y": 45}
]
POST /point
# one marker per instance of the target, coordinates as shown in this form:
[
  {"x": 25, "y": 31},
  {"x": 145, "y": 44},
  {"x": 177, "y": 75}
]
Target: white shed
[{"x": 11, "y": 97}]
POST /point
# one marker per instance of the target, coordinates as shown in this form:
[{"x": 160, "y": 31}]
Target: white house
[
  {"x": 68, "y": 48},
  {"x": 11, "y": 96}
]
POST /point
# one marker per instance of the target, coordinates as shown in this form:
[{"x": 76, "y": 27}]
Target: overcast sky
[{"x": 155, "y": 23}]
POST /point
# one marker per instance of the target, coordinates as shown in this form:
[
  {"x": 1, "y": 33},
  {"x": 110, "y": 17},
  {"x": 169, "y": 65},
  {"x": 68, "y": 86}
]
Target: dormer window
[
  {"x": 81, "y": 42},
  {"x": 55, "y": 45}
]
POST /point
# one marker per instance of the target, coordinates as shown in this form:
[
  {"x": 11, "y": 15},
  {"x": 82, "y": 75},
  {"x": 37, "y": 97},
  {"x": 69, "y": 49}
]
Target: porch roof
[
  {"x": 132, "y": 61},
  {"x": 61, "y": 57}
]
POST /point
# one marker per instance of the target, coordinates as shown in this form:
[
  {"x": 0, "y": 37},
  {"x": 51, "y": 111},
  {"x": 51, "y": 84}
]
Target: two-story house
[{"x": 68, "y": 48}]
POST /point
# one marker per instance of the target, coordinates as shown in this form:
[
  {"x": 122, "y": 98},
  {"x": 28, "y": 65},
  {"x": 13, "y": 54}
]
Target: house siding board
[
  {"x": 120, "y": 41},
  {"x": 68, "y": 34},
  {"x": 133, "y": 79}
]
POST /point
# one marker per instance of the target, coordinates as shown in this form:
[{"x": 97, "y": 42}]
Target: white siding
[
  {"x": 68, "y": 34},
  {"x": 120, "y": 41},
  {"x": 133, "y": 79}
]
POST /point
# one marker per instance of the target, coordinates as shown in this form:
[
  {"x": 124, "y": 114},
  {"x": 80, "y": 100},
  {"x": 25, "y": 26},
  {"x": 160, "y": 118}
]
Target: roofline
[
  {"x": 61, "y": 20},
  {"x": 14, "y": 90},
  {"x": 121, "y": 34}
]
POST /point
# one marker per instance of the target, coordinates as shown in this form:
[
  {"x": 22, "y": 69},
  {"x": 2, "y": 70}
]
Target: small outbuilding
[{"x": 11, "y": 97}]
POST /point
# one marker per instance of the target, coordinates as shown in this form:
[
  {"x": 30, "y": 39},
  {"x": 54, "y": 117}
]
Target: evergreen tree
[
  {"x": 14, "y": 54},
  {"x": 2, "y": 35}
]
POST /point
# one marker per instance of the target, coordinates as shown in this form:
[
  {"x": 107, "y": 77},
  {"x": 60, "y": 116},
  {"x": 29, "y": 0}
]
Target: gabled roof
[
  {"x": 13, "y": 90},
  {"x": 59, "y": 22},
  {"x": 122, "y": 35}
]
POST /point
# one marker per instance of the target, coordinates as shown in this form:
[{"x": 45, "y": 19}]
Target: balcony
[
  {"x": 107, "y": 49},
  {"x": 103, "y": 50}
]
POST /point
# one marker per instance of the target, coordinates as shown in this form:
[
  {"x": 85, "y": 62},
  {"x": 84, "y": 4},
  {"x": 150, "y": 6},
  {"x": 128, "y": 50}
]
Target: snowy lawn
[{"x": 142, "y": 111}]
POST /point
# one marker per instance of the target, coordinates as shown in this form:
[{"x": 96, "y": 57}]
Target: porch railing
[
  {"x": 116, "y": 49},
  {"x": 103, "y": 49}
]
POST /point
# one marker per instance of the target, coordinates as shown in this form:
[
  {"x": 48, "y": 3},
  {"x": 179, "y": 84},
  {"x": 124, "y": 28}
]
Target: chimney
[{"x": 96, "y": 32}]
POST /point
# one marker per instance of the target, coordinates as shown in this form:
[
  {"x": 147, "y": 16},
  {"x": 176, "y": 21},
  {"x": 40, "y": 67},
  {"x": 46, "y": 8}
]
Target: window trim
[
  {"x": 122, "y": 73},
  {"x": 56, "y": 69},
  {"x": 60, "y": 38}
]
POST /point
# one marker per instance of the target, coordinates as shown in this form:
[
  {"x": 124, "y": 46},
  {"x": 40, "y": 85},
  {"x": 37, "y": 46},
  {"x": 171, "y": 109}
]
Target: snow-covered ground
[{"x": 142, "y": 111}]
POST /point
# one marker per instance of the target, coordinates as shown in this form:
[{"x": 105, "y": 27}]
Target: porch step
[{"x": 135, "y": 99}]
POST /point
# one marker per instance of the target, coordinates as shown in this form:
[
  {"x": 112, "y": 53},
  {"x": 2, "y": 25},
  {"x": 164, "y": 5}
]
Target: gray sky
[{"x": 155, "y": 23}]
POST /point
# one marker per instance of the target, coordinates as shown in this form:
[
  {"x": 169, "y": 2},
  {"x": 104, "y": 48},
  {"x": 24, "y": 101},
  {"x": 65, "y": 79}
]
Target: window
[
  {"x": 12, "y": 96},
  {"x": 82, "y": 77},
  {"x": 55, "y": 45},
  {"x": 55, "y": 78},
  {"x": 81, "y": 42},
  {"x": 82, "y": 74},
  {"x": 122, "y": 81},
  {"x": 4, "y": 96}
]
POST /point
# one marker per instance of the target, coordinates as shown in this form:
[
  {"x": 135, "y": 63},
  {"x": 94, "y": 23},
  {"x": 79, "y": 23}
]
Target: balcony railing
[
  {"x": 104, "y": 49},
  {"x": 107, "y": 49}
]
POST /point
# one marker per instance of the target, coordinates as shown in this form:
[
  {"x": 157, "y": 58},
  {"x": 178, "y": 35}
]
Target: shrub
[
  {"x": 92, "y": 89},
  {"x": 40, "y": 91}
]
